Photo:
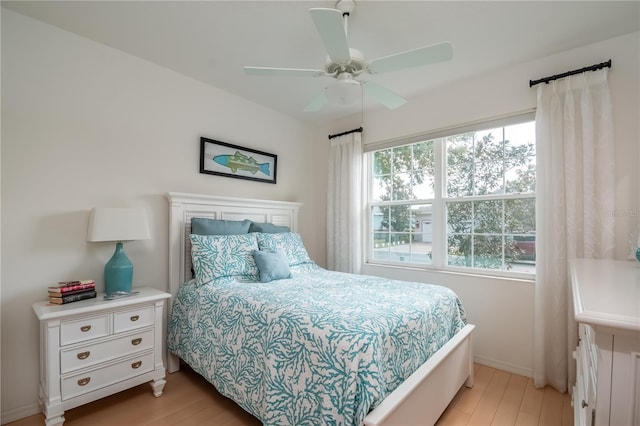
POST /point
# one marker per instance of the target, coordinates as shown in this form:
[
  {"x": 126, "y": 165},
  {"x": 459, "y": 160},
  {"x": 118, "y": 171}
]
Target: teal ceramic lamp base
[
  {"x": 118, "y": 272},
  {"x": 638, "y": 254}
]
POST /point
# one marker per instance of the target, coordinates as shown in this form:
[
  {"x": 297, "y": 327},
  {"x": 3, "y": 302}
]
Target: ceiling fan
[{"x": 346, "y": 65}]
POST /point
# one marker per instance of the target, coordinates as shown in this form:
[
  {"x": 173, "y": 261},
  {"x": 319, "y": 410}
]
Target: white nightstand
[{"x": 94, "y": 348}]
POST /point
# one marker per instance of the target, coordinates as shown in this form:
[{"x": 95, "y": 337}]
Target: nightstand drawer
[
  {"x": 82, "y": 383},
  {"x": 83, "y": 329},
  {"x": 88, "y": 355},
  {"x": 132, "y": 319}
]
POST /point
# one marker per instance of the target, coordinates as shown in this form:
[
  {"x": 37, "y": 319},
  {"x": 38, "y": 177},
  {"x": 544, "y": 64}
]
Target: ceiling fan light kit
[
  {"x": 344, "y": 91},
  {"x": 348, "y": 66}
]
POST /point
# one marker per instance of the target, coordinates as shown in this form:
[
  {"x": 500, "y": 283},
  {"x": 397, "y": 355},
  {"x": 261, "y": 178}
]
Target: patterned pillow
[
  {"x": 288, "y": 243},
  {"x": 217, "y": 256}
]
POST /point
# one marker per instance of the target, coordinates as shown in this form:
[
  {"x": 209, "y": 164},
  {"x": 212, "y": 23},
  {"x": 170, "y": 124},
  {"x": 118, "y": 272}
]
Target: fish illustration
[{"x": 239, "y": 161}]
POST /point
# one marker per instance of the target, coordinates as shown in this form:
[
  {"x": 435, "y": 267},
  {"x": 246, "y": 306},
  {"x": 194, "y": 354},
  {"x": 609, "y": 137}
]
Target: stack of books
[{"x": 72, "y": 291}]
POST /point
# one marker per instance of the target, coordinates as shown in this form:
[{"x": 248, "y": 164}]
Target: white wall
[
  {"x": 502, "y": 309},
  {"x": 85, "y": 125}
]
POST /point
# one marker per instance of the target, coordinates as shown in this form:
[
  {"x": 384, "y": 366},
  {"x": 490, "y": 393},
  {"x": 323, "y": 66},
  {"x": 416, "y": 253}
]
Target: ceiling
[{"x": 211, "y": 41}]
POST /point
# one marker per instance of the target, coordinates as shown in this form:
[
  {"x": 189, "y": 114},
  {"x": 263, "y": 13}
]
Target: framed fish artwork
[{"x": 225, "y": 159}]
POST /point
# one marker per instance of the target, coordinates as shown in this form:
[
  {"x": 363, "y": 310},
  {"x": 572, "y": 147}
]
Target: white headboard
[{"x": 183, "y": 207}]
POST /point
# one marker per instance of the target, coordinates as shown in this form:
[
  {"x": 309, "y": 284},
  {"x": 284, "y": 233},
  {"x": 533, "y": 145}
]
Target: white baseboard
[
  {"x": 510, "y": 368},
  {"x": 19, "y": 413}
]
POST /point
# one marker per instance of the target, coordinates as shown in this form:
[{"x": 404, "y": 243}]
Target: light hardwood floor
[{"x": 497, "y": 398}]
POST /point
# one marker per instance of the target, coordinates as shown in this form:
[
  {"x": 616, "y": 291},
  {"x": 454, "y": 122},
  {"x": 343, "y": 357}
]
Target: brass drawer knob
[
  {"x": 85, "y": 328},
  {"x": 137, "y": 341},
  {"x": 84, "y": 355},
  {"x": 135, "y": 318},
  {"x": 84, "y": 381},
  {"x": 136, "y": 364}
]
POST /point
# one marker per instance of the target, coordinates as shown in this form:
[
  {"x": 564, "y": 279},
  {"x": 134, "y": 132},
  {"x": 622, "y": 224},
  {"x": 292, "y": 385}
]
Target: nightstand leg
[
  {"x": 54, "y": 421},
  {"x": 157, "y": 386}
]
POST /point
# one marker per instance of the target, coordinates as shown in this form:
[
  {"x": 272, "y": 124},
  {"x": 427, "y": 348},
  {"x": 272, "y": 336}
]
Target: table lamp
[{"x": 118, "y": 224}]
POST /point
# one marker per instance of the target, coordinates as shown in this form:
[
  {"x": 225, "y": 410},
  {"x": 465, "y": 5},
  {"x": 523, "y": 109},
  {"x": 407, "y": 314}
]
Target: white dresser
[
  {"x": 606, "y": 299},
  {"x": 94, "y": 348}
]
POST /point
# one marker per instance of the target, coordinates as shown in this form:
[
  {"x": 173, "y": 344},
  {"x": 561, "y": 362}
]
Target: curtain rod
[
  {"x": 595, "y": 67},
  {"x": 359, "y": 129}
]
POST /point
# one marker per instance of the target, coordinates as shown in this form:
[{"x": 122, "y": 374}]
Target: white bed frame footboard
[
  {"x": 418, "y": 401},
  {"x": 423, "y": 397}
]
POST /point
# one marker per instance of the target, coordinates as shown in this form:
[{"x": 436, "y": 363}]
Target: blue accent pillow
[
  {"x": 289, "y": 243},
  {"x": 268, "y": 228},
  {"x": 272, "y": 265},
  {"x": 207, "y": 226},
  {"x": 218, "y": 256}
]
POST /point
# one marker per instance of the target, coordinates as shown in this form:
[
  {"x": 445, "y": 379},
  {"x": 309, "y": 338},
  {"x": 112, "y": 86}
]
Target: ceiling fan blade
[
  {"x": 316, "y": 103},
  {"x": 289, "y": 72},
  {"x": 383, "y": 95},
  {"x": 412, "y": 58},
  {"x": 330, "y": 25}
]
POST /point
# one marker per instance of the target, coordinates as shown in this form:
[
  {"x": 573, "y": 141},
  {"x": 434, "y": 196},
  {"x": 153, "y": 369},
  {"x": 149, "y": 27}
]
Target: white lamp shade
[{"x": 118, "y": 224}]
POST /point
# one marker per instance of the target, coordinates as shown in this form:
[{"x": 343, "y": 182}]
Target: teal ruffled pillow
[
  {"x": 272, "y": 265},
  {"x": 289, "y": 243},
  {"x": 218, "y": 256}
]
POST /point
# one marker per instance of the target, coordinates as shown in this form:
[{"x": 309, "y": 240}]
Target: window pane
[
  {"x": 519, "y": 135},
  {"x": 520, "y": 175},
  {"x": 400, "y": 249},
  {"x": 423, "y": 184},
  {"x": 382, "y": 162},
  {"x": 487, "y": 251},
  {"x": 489, "y": 177},
  {"x": 459, "y": 217},
  {"x": 520, "y": 160},
  {"x": 380, "y": 218},
  {"x": 520, "y": 216},
  {"x": 424, "y": 155},
  {"x": 402, "y": 187},
  {"x": 381, "y": 245},
  {"x": 381, "y": 190},
  {"x": 460, "y": 180},
  {"x": 459, "y": 250},
  {"x": 402, "y": 159},
  {"x": 400, "y": 219},
  {"x": 488, "y": 145},
  {"x": 459, "y": 149},
  {"x": 422, "y": 235},
  {"x": 488, "y": 217}
]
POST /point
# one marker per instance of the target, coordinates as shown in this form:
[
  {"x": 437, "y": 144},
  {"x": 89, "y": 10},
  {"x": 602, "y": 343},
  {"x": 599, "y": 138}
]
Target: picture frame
[{"x": 225, "y": 159}]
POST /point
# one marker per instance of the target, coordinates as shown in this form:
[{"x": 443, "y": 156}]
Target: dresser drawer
[
  {"x": 91, "y": 354},
  {"x": 83, "y": 329},
  {"x": 91, "y": 380},
  {"x": 132, "y": 319}
]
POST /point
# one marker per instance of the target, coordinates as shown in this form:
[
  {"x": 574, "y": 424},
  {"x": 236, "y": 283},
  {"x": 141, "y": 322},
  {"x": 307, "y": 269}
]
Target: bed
[{"x": 297, "y": 349}]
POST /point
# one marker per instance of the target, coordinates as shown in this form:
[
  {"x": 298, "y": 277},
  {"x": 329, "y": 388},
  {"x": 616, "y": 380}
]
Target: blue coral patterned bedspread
[{"x": 321, "y": 348}]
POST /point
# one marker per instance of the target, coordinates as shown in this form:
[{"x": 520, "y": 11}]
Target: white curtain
[
  {"x": 344, "y": 204},
  {"x": 575, "y": 189}
]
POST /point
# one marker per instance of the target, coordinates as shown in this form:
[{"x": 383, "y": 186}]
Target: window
[{"x": 465, "y": 199}]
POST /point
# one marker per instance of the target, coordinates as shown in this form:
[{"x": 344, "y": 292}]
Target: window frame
[{"x": 440, "y": 199}]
